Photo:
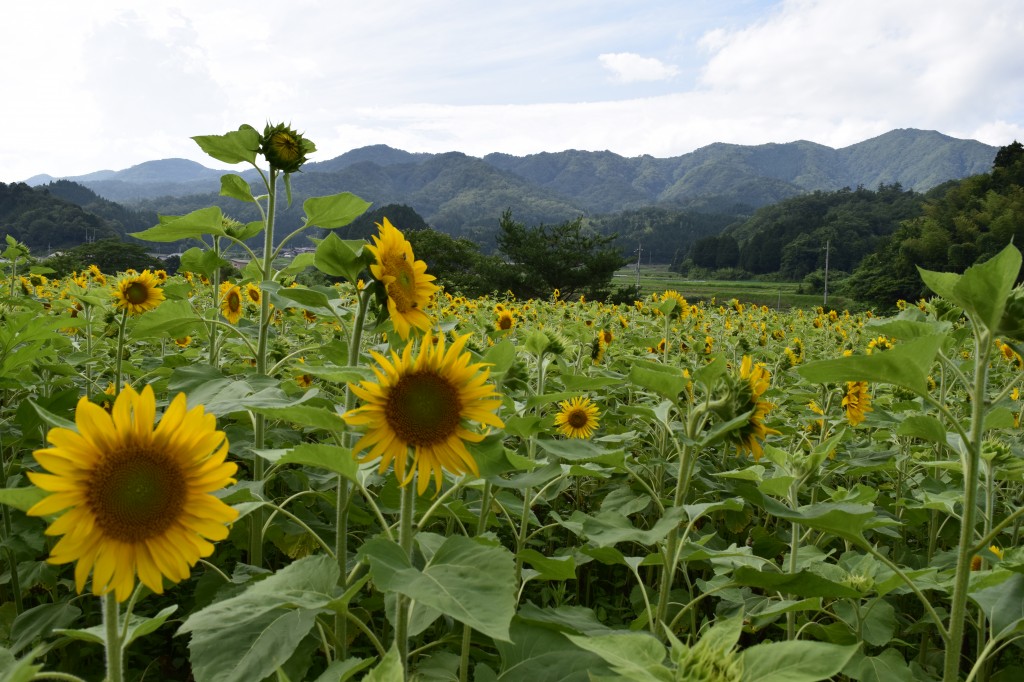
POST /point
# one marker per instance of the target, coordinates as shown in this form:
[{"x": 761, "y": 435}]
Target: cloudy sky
[{"x": 106, "y": 84}]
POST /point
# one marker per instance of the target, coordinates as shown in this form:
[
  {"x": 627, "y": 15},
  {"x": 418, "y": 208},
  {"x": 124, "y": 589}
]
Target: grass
[{"x": 781, "y": 295}]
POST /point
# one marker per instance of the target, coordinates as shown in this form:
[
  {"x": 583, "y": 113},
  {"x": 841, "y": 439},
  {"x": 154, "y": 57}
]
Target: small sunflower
[
  {"x": 506, "y": 320},
  {"x": 231, "y": 302},
  {"x": 409, "y": 287},
  {"x": 577, "y": 418},
  {"x": 423, "y": 402},
  {"x": 137, "y": 293},
  {"x": 252, "y": 291},
  {"x": 134, "y": 500},
  {"x": 856, "y": 402}
]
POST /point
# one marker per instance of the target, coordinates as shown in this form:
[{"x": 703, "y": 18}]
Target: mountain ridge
[{"x": 461, "y": 194}]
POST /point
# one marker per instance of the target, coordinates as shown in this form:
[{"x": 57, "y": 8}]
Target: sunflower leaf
[{"x": 337, "y": 210}]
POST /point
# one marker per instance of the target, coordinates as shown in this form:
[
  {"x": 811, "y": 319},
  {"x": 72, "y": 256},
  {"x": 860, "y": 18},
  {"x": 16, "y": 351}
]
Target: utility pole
[
  {"x": 639, "y": 250},
  {"x": 827, "y": 242}
]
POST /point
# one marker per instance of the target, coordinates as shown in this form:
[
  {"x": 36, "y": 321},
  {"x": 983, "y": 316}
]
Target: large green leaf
[
  {"x": 324, "y": 456},
  {"x": 205, "y": 221},
  {"x": 171, "y": 318},
  {"x": 334, "y": 211},
  {"x": 234, "y": 147},
  {"x": 796, "y": 661},
  {"x": 633, "y": 655},
  {"x": 21, "y": 499},
  {"x": 342, "y": 258},
  {"x": 469, "y": 580},
  {"x": 845, "y": 519},
  {"x": 801, "y": 584},
  {"x": 666, "y": 381},
  {"x": 982, "y": 289},
  {"x": 1003, "y": 604},
  {"x": 889, "y": 666},
  {"x": 906, "y": 364},
  {"x": 236, "y": 187},
  {"x": 250, "y": 635},
  {"x": 542, "y": 654},
  {"x": 608, "y": 528}
]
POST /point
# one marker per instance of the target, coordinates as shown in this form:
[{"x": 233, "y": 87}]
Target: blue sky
[{"x": 107, "y": 84}]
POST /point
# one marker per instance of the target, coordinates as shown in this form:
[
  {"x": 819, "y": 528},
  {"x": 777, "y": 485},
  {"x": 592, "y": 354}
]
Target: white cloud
[{"x": 627, "y": 67}]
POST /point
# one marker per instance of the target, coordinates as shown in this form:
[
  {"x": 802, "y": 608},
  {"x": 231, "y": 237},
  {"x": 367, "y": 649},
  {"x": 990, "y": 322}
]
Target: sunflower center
[
  {"x": 234, "y": 301},
  {"x": 577, "y": 419},
  {"x": 136, "y": 293},
  {"x": 136, "y": 494},
  {"x": 505, "y": 322},
  {"x": 403, "y": 290},
  {"x": 423, "y": 408}
]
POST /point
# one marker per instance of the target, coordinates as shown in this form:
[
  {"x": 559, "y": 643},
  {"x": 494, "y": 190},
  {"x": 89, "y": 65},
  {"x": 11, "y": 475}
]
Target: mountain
[{"x": 465, "y": 195}]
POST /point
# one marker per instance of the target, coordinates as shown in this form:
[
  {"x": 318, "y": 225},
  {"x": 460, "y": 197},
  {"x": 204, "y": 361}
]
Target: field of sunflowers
[{"x": 255, "y": 479}]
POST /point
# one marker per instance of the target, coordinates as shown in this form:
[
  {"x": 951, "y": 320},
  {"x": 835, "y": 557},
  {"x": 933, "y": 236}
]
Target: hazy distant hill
[{"x": 464, "y": 195}]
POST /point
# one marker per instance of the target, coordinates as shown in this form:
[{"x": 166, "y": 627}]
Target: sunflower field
[{"x": 254, "y": 479}]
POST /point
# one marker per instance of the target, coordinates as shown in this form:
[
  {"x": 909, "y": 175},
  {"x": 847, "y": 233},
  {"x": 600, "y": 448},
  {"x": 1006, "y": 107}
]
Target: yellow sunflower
[
  {"x": 856, "y": 401},
  {"x": 506, "y": 320},
  {"x": 577, "y": 418},
  {"x": 231, "y": 302},
  {"x": 253, "y": 292},
  {"x": 134, "y": 500},
  {"x": 754, "y": 382},
  {"x": 409, "y": 287},
  {"x": 137, "y": 293},
  {"x": 423, "y": 402}
]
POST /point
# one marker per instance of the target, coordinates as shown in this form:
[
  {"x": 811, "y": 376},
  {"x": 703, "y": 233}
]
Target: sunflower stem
[
  {"x": 467, "y": 631},
  {"x": 113, "y": 641},
  {"x": 120, "y": 350},
  {"x": 405, "y": 541},
  {"x": 215, "y": 282}
]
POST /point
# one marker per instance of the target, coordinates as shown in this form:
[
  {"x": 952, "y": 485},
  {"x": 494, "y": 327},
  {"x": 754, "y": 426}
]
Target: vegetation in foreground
[{"x": 375, "y": 478}]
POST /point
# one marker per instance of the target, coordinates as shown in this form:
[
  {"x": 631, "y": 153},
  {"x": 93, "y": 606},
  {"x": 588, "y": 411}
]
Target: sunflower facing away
[
  {"x": 577, "y": 418},
  {"x": 137, "y": 293},
  {"x": 856, "y": 401},
  {"x": 754, "y": 382},
  {"x": 231, "y": 302},
  {"x": 408, "y": 285},
  {"x": 134, "y": 500},
  {"x": 424, "y": 402}
]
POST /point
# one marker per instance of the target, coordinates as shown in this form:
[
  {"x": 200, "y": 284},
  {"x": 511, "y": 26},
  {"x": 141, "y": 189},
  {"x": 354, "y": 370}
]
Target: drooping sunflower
[
  {"x": 134, "y": 500},
  {"x": 424, "y": 402},
  {"x": 137, "y": 293},
  {"x": 578, "y": 417},
  {"x": 754, "y": 381},
  {"x": 231, "y": 302},
  {"x": 409, "y": 287},
  {"x": 856, "y": 401}
]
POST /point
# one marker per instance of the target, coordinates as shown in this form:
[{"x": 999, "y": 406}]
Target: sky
[{"x": 107, "y": 84}]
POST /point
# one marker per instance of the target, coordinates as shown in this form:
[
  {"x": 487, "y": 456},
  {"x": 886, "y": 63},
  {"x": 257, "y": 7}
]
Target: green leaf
[
  {"x": 192, "y": 226},
  {"x": 796, "y": 661},
  {"x": 235, "y": 147},
  {"x": 472, "y": 582},
  {"x": 321, "y": 455},
  {"x": 668, "y": 382},
  {"x": 388, "y": 670},
  {"x": 633, "y": 655},
  {"x": 1003, "y": 604},
  {"x": 550, "y": 568},
  {"x": 248, "y": 636},
  {"x": 38, "y": 622},
  {"x": 21, "y": 499},
  {"x": 341, "y": 258},
  {"x": 608, "y": 528},
  {"x": 983, "y": 288},
  {"x": 801, "y": 584},
  {"x": 340, "y": 671},
  {"x": 888, "y": 666},
  {"x": 334, "y": 211},
  {"x": 906, "y": 364},
  {"x": 845, "y": 519},
  {"x": 542, "y": 654},
  {"x": 19, "y": 670},
  {"x": 203, "y": 262},
  {"x": 139, "y": 626},
  {"x": 171, "y": 318},
  {"x": 234, "y": 186},
  {"x": 923, "y": 426}
]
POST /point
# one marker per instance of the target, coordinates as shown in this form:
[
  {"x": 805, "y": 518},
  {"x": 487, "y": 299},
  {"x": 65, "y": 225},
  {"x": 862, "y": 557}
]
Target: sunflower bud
[{"x": 284, "y": 149}]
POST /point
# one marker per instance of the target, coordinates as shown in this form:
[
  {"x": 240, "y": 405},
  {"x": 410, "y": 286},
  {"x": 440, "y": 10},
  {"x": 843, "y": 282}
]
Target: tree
[
  {"x": 457, "y": 263},
  {"x": 109, "y": 255},
  {"x": 564, "y": 257}
]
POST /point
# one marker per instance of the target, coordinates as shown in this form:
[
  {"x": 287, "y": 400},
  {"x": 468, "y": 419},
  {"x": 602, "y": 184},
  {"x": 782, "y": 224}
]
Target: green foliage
[
  {"x": 46, "y": 223},
  {"x": 563, "y": 257},
  {"x": 458, "y": 264},
  {"x": 109, "y": 255}
]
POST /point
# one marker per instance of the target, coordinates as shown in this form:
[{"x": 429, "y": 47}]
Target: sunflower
[
  {"x": 231, "y": 302},
  {"x": 856, "y": 402},
  {"x": 577, "y": 418},
  {"x": 134, "y": 500},
  {"x": 408, "y": 285},
  {"x": 754, "y": 381},
  {"x": 137, "y": 293},
  {"x": 252, "y": 291},
  {"x": 506, "y": 320},
  {"x": 423, "y": 403}
]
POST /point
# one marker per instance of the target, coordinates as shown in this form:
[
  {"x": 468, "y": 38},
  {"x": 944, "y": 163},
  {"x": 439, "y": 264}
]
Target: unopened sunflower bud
[{"x": 284, "y": 149}]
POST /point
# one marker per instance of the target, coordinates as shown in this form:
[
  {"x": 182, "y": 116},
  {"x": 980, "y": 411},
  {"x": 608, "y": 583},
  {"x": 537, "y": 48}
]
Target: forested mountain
[
  {"x": 464, "y": 195},
  {"x": 44, "y": 222}
]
